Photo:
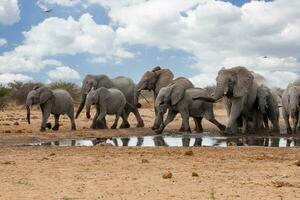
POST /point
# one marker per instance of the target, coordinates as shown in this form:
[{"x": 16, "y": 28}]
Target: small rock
[
  {"x": 52, "y": 154},
  {"x": 194, "y": 174},
  {"x": 7, "y": 131},
  {"x": 189, "y": 153},
  {"x": 9, "y": 163},
  {"x": 19, "y": 131},
  {"x": 279, "y": 184},
  {"x": 167, "y": 175},
  {"x": 16, "y": 124},
  {"x": 297, "y": 163},
  {"x": 145, "y": 161}
]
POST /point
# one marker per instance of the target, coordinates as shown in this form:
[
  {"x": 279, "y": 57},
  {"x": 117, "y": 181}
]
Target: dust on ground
[{"x": 104, "y": 172}]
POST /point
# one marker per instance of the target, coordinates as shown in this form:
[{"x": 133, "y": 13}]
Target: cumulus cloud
[
  {"x": 9, "y": 12},
  {"x": 260, "y": 35},
  {"x": 56, "y": 36},
  {"x": 62, "y": 73},
  {"x": 9, "y": 77},
  {"x": 2, "y": 42},
  {"x": 66, "y": 3}
]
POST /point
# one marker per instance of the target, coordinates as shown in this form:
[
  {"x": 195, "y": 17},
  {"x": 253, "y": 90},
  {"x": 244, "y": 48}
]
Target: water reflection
[{"x": 180, "y": 141}]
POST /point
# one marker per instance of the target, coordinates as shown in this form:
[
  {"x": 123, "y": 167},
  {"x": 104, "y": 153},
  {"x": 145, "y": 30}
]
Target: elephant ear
[
  {"x": 164, "y": 77},
  {"x": 104, "y": 94},
  {"x": 244, "y": 80},
  {"x": 103, "y": 81},
  {"x": 176, "y": 94},
  {"x": 45, "y": 95}
]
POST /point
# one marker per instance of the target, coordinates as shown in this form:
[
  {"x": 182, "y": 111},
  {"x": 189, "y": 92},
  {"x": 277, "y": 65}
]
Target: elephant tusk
[{"x": 145, "y": 98}]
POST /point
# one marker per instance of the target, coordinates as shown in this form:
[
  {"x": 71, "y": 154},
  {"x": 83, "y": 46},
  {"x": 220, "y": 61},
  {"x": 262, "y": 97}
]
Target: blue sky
[{"x": 132, "y": 37}]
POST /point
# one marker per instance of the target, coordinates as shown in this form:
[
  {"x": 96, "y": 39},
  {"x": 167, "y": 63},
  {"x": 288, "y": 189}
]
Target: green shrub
[{"x": 4, "y": 96}]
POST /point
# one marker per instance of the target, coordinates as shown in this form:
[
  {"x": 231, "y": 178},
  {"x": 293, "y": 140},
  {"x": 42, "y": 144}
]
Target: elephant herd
[{"x": 249, "y": 103}]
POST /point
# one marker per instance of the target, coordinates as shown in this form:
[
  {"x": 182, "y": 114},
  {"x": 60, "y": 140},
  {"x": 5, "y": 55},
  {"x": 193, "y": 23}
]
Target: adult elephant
[
  {"x": 158, "y": 78},
  {"x": 268, "y": 108},
  {"x": 124, "y": 84},
  {"x": 291, "y": 107},
  {"x": 239, "y": 89}
]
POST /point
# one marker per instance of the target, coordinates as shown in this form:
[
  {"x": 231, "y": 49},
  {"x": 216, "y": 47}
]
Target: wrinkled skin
[
  {"x": 124, "y": 84},
  {"x": 156, "y": 79},
  {"x": 111, "y": 102},
  {"x": 291, "y": 107},
  {"x": 238, "y": 87},
  {"x": 56, "y": 102},
  {"x": 268, "y": 107},
  {"x": 186, "y": 106}
]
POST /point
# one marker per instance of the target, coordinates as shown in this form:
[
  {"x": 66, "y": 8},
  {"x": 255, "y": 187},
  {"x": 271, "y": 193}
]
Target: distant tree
[
  {"x": 20, "y": 90},
  {"x": 4, "y": 96},
  {"x": 72, "y": 88}
]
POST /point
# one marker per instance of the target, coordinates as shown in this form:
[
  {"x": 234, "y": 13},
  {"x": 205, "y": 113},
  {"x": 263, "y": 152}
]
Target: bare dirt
[{"x": 104, "y": 172}]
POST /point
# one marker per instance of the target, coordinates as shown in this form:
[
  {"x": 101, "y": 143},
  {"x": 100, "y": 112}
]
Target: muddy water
[{"x": 178, "y": 141}]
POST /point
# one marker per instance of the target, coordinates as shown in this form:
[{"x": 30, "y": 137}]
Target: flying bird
[{"x": 44, "y": 7}]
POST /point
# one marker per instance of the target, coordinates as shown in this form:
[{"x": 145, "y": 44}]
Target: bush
[
  {"x": 4, "y": 96},
  {"x": 72, "y": 88},
  {"x": 20, "y": 90}
]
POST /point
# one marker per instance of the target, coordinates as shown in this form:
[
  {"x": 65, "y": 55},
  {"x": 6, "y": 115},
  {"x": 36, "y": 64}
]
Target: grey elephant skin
[
  {"x": 239, "y": 89},
  {"x": 268, "y": 107},
  {"x": 56, "y": 102},
  {"x": 291, "y": 107},
  {"x": 186, "y": 106},
  {"x": 158, "y": 78},
  {"x": 111, "y": 102},
  {"x": 124, "y": 84}
]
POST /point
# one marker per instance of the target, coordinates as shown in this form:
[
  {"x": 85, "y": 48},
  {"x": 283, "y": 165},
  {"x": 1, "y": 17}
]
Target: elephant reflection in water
[{"x": 159, "y": 141}]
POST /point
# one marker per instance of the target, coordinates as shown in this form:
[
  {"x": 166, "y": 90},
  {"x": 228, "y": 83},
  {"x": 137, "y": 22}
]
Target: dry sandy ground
[{"x": 104, "y": 172}]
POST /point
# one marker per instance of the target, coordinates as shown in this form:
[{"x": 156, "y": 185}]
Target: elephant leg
[
  {"x": 46, "y": 113},
  {"x": 185, "y": 120},
  {"x": 287, "y": 122},
  {"x": 125, "y": 123},
  {"x": 217, "y": 123},
  {"x": 266, "y": 122},
  {"x": 140, "y": 122},
  {"x": 114, "y": 126},
  {"x": 298, "y": 124},
  {"x": 235, "y": 112},
  {"x": 245, "y": 125},
  {"x": 98, "y": 124},
  {"x": 170, "y": 117},
  {"x": 56, "y": 124},
  {"x": 159, "y": 118},
  {"x": 198, "y": 124},
  {"x": 71, "y": 117}
]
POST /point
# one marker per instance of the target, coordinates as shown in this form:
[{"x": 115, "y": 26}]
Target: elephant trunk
[
  {"x": 262, "y": 106},
  {"x": 28, "y": 113},
  {"x": 136, "y": 97},
  {"x": 218, "y": 94},
  {"x": 82, "y": 102},
  {"x": 88, "y": 110}
]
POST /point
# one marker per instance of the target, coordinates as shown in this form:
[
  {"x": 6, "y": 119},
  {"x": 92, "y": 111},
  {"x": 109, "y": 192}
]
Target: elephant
[
  {"x": 124, "y": 84},
  {"x": 291, "y": 107},
  {"x": 239, "y": 89},
  {"x": 155, "y": 80},
  {"x": 268, "y": 108},
  {"x": 110, "y": 101},
  {"x": 56, "y": 102},
  {"x": 186, "y": 106}
]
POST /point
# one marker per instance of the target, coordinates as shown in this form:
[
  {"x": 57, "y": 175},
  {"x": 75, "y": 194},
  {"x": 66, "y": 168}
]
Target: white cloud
[
  {"x": 9, "y": 77},
  {"x": 260, "y": 35},
  {"x": 62, "y": 73},
  {"x": 9, "y": 12},
  {"x": 66, "y": 3},
  {"x": 2, "y": 42},
  {"x": 57, "y": 36},
  {"x": 204, "y": 79}
]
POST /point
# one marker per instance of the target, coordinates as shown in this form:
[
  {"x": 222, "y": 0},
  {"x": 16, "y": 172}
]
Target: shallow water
[{"x": 178, "y": 141}]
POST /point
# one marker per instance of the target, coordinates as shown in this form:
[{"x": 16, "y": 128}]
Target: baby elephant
[
  {"x": 186, "y": 107},
  {"x": 56, "y": 102},
  {"x": 108, "y": 101}
]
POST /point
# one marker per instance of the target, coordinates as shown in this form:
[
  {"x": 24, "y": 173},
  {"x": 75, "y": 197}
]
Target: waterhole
[{"x": 177, "y": 141}]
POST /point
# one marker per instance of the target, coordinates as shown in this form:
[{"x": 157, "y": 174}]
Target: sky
[{"x": 193, "y": 38}]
